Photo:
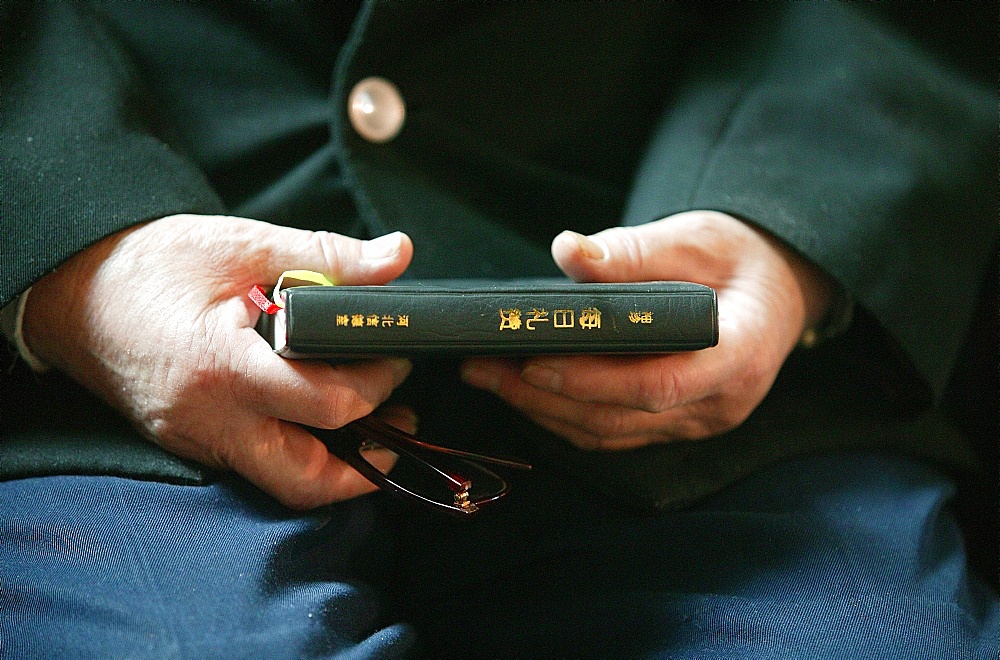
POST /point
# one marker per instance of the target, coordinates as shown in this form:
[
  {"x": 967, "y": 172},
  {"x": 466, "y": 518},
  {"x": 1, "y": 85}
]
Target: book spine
[{"x": 358, "y": 321}]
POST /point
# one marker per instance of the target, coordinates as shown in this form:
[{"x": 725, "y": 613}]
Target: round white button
[{"x": 376, "y": 109}]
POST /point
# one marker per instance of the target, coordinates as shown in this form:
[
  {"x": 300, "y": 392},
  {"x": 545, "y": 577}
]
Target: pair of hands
[{"x": 156, "y": 321}]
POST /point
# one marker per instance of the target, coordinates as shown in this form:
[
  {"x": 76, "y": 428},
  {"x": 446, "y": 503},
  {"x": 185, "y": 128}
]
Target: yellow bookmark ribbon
[
  {"x": 310, "y": 276},
  {"x": 272, "y": 305}
]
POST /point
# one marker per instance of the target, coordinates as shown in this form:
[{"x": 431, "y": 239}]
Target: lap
[
  {"x": 841, "y": 555},
  {"x": 833, "y": 556},
  {"x": 100, "y": 566}
]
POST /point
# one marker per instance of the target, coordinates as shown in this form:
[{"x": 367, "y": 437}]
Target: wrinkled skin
[
  {"x": 767, "y": 296},
  {"x": 156, "y": 320}
]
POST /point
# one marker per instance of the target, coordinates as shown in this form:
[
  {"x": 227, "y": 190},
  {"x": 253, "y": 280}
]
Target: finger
[
  {"x": 315, "y": 393},
  {"x": 677, "y": 248},
  {"x": 592, "y": 425},
  {"x": 589, "y": 440},
  {"x": 284, "y": 460},
  {"x": 400, "y": 416},
  {"x": 653, "y": 383}
]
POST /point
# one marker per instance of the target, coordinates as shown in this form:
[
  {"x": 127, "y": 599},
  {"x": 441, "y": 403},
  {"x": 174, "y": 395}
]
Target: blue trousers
[{"x": 839, "y": 556}]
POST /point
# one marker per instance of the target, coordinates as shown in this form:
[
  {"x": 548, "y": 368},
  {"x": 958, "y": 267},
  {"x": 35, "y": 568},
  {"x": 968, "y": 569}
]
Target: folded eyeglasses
[{"x": 448, "y": 480}]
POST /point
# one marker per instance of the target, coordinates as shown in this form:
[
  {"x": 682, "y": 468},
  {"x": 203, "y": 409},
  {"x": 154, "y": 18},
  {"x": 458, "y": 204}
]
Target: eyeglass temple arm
[
  {"x": 396, "y": 440},
  {"x": 378, "y": 426}
]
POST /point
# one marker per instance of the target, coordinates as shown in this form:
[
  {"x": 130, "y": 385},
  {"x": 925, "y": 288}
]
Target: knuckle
[
  {"x": 341, "y": 405},
  {"x": 331, "y": 250},
  {"x": 659, "y": 391},
  {"x": 630, "y": 244}
]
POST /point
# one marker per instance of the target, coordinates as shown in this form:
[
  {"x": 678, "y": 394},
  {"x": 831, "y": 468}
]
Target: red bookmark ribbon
[
  {"x": 269, "y": 306},
  {"x": 260, "y": 299}
]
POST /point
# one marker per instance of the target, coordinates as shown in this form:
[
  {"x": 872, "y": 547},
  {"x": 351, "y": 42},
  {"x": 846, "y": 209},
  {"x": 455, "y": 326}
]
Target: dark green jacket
[{"x": 864, "y": 139}]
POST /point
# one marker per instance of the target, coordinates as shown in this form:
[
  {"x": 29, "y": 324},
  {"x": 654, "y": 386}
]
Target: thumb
[
  {"x": 684, "y": 246},
  {"x": 619, "y": 254},
  {"x": 342, "y": 259}
]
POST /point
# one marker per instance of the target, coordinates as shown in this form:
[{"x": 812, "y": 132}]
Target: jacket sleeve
[
  {"x": 81, "y": 147},
  {"x": 868, "y": 151}
]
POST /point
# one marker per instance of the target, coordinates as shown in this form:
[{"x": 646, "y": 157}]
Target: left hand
[{"x": 767, "y": 296}]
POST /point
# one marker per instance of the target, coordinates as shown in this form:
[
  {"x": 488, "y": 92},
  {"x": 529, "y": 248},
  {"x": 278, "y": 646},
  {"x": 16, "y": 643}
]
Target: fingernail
[
  {"x": 544, "y": 378},
  {"x": 400, "y": 369},
  {"x": 381, "y": 458},
  {"x": 383, "y": 247},
  {"x": 480, "y": 376},
  {"x": 591, "y": 248},
  {"x": 409, "y": 419},
  {"x": 402, "y": 417}
]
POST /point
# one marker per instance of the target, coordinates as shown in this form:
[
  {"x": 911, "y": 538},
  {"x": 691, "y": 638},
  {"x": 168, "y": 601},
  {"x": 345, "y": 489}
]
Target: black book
[{"x": 450, "y": 318}]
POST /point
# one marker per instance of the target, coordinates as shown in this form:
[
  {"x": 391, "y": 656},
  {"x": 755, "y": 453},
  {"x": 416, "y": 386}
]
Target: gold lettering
[
  {"x": 640, "y": 317},
  {"x": 357, "y": 320},
  {"x": 537, "y": 316},
  {"x": 403, "y": 320},
  {"x": 372, "y": 320},
  {"x": 343, "y": 319},
  {"x": 563, "y": 318},
  {"x": 510, "y": 319},
  {"x": 590, "y": 318},
  {"x": 387, "y": 321}
]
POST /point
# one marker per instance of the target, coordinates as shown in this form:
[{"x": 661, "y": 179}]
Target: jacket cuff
[
  {"x": 12, "y": 326},
  {"x": 836, "y": 322}
]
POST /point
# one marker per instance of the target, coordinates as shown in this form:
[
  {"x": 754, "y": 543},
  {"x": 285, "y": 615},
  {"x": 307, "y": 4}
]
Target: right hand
[{"x": 156, "y": 321}]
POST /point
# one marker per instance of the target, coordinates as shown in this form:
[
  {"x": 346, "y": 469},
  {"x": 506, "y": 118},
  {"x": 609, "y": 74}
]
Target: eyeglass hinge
[{"x": 463, "y": 502}]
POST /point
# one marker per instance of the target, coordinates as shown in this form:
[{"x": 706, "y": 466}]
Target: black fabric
[
  {"x": 82, "y": 154},
  {"x": 840, "y": 133},
  {"x": 51, "y": 425},
  {"x": 870, "y": 156}
]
